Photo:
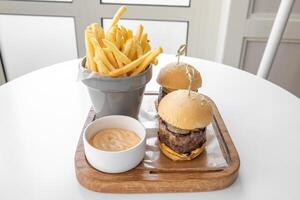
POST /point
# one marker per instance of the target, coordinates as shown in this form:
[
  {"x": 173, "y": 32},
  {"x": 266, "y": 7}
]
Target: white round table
[{"x": 42, "y": 114}]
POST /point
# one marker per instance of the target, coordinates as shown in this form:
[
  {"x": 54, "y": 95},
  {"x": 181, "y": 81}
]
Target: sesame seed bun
[
  {"x": 185, "y": 111},
  {"x": 173, "y": 76}
]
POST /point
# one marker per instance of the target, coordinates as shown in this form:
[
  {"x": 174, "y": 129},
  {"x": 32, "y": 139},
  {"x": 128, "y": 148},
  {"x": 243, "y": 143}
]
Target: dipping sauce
[{"x": 114, "y": 139}]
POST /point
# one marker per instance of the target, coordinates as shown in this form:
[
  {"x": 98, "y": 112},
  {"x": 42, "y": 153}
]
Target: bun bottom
[{"x": 173, "y": 155}]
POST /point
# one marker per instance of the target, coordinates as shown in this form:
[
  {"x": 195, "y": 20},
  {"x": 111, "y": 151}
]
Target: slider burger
[
  {"x": 173, "y": 77},
  {"x": 183, "y": 118}
]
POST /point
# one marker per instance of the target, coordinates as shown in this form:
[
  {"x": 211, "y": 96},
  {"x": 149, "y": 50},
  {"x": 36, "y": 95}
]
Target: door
[{"x": 248, "y": 28}]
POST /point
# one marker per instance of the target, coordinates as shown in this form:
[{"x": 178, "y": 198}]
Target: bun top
[
  {"x": 173, "y": 76},
  {"x": 185, "y": 112}
]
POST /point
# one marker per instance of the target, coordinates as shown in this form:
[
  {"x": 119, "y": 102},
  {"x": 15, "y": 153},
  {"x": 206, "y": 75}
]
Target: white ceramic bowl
[{"x": 116, "y": 161}]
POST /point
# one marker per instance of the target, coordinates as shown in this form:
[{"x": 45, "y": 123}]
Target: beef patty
[{"x": 181, "y": 143}]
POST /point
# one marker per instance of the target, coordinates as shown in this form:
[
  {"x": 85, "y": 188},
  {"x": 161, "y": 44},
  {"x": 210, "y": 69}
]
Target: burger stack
[
  {"x": 173, "y": 77},
  {"x": 183, "y": 114}
]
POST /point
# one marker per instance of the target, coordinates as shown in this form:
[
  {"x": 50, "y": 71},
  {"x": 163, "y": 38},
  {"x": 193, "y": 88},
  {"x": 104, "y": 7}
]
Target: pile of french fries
[{"x": 118, "y": 52}]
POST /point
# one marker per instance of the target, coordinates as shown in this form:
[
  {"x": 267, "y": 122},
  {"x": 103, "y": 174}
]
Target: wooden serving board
[{"x": 145, "y": 180}]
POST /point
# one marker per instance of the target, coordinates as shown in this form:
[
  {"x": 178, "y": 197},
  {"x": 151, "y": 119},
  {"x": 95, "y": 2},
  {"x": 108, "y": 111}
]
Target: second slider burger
[
  {"x": 173, "y": 77},
  {"x": 183, "y": 118}
]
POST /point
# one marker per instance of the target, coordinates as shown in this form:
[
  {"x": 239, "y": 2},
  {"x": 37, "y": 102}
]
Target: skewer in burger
[{"x": 183, "y": 117}]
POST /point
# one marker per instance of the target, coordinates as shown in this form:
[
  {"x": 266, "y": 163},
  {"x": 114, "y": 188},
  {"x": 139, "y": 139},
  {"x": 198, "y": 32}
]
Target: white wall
[{"x": 28, "y": 43}]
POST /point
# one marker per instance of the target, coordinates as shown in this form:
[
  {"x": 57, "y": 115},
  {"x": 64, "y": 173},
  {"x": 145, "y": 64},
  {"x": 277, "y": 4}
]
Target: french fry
[
  {"x": 90, "y": 53},
  {"x": 132, "y": 52},
  {"x": 89, "y": 28},
  {"x": 120, "y": 64},
  {"x": 102, "y": 69},
  {"x": 127, "y": 68},
  {"x": 122, "y": 43},
  {"x": 118, "y": 54},
  {"x": 139, "y": 32},
  {"x": 111, "y": 37},
  {"x": 129, "y": 34},
  {"x": 118, "y": 39},
  {"x": 139, "y": 49},
  {"x": 111, "y": 57},
  {"x": 147, "y": 48},
  {"x": 99, "y": 32},
  {"x": 147, "y": 61},
  {"x": 144, "y": 41},
  {"x": 100, "y": 65},
  {"x": 111, "y": 34},
  {"x": 144, "y": 38},
  {"x": 117, "y": 16},
  {"x": 154, "y": 62},
  {"x": 127, "y": 47},
  {"x": 124, "y": 32},
  {"x": 102, "y": 55}
]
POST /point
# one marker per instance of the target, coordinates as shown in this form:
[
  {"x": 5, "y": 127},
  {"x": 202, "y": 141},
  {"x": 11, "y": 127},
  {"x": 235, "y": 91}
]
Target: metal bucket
[{"x": 117, "y": 96}]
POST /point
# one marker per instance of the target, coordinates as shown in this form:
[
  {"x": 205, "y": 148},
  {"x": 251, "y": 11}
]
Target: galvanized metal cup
[{"x": 117, "y": 96}]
